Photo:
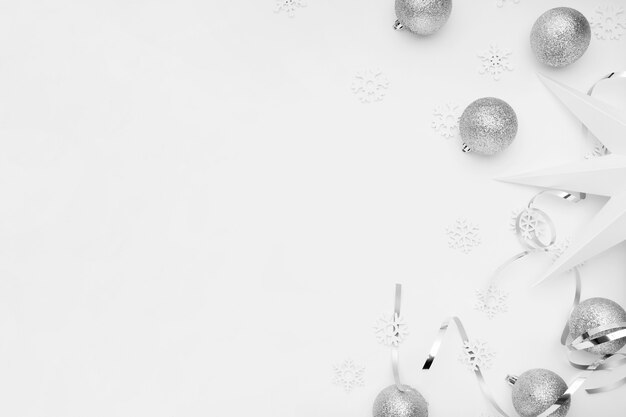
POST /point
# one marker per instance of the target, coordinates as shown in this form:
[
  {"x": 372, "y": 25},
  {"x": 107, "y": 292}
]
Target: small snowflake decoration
[
  {"x": 495, "y": 61},
  {"x": 348, "y": 375},
  {"x": 289, "y": 6},
  {"x": 476, "y": 355},
  {"x": 446, "y": 120},
  {"x": 370, "y": 86},
  {"x": 558, "y": 249},
  {"x": 609, "y": 22},
  {"x": 530, "y": 225},
  {"x": 391, "y": 330},
  {"x": 463, "y": 236},
  {"x": 491, "y": 301},
  {"x": 598, "y": 150},
  {"x": 500, "y": 3}
]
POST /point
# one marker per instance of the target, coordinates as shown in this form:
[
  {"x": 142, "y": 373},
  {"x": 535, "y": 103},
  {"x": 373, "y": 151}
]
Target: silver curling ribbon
[
  {"x": 395, "y": 351},
  {"x": 622, "y": 74},
  {"x": 434, "y": 350},
  {"x": 530, "y": 238}
]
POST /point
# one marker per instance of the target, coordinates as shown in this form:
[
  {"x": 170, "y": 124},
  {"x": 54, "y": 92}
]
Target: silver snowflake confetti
[
  {"x": 446, "y": 120},
  {"x": 370, "y": 86},
  {"x": 495, "y": 61},
  {"x": 391, "y": 330},
  {"x": 608, "y": 22},
  {"x": 530, "y": 225},
  {"x": 463, "y": 236},
  {"x": 289, "y": 6},
  {"x": 348, "y": 375},
  {"x": 501, "y": 3},
  {"x": 491, "y": 301},
  {"x": 476, "y": 355}
]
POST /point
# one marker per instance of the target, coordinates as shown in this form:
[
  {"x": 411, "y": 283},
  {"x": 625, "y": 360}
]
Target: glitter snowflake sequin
[
  {"x": 501, "y": 3},
  {"x": 370, "y": 86},
  {"x": 463, "y": 236},
  {"x": 391, "y": 330},
  {"x": 608, "y": 22},
  {"x": 491, "y": 301},
  {"x": 446, "y": 120},
  {"x": 348, "y": 375},
  {"x": 289, "y": 6},
  {"x": 476, "y": 354},
  {"x": 495, "y": 61}
]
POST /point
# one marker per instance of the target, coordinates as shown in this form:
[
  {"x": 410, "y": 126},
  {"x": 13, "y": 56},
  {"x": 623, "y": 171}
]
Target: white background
[{"x": 198, "y": 217}]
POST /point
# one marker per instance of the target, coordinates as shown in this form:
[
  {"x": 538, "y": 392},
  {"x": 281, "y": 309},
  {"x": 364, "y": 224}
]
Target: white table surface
[{"x": 199, "y": 218}]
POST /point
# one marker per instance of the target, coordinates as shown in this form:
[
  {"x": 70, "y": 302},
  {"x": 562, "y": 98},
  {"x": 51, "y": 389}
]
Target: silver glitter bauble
[
  {"x": 391, "y": 402},
  {"x": 537, "y": 390},
  {"x": 560, "y": 36},
  {"x": 488, "y": 126},
  {"x": 423, "y": 17},
  {"x": 593, "y": 313}
]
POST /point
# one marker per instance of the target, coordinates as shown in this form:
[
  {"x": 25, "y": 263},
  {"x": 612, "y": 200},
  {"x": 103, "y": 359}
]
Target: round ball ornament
[
  {"x": 593, "y": 313},
  {"x": 560, "y": 36},
  {"x": 537, "y": 390},
  {"x": 423, "y": 17},
  {"x": 488, "y": 126},
  {"x": 391, "y": 402}
]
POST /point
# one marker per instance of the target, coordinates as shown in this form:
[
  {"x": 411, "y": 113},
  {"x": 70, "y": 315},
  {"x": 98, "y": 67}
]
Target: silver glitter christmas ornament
[
  {"x": 391, "y": 402},
  {"x": 488, "y": 126},
  {"x": 593, "y": 313},
  {"x": 423, "y": 17},
  {"x": 537, "y": 390},
  {"x": 560, "y": 36}
]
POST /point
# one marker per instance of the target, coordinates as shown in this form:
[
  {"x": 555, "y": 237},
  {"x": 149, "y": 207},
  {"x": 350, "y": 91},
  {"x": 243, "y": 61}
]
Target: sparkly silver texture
[
  {"x": 488, "y": 126},
  {"x": 537, "y": 390},
  {"x": 423, "y": 17},
  {"x": 593, "y": 313},
  {"x": 560, "y": 36},
  {"x": 391, "y": 402}
]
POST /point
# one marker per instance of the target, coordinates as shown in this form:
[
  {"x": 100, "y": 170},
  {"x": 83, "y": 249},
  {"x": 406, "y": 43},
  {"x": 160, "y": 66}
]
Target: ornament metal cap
[
  {"x": 511, "y": 379},
  {"x": 466, "y": 149},
  {"x": 397, "y": 25}
]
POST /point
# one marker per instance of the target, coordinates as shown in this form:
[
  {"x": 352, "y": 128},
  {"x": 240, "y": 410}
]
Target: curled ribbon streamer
[
  {"x": 621, "y": 74},
  {"x": 592, "y": 337},
  {"x": 534, "y": 243},
  {"x": 609, "y": 362},
  {"x": 477, "y": 372},
  {"x": 395, "y": 351},
  {"x": 562, "y": 400},
  {"x": 577, "y": 293}
]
